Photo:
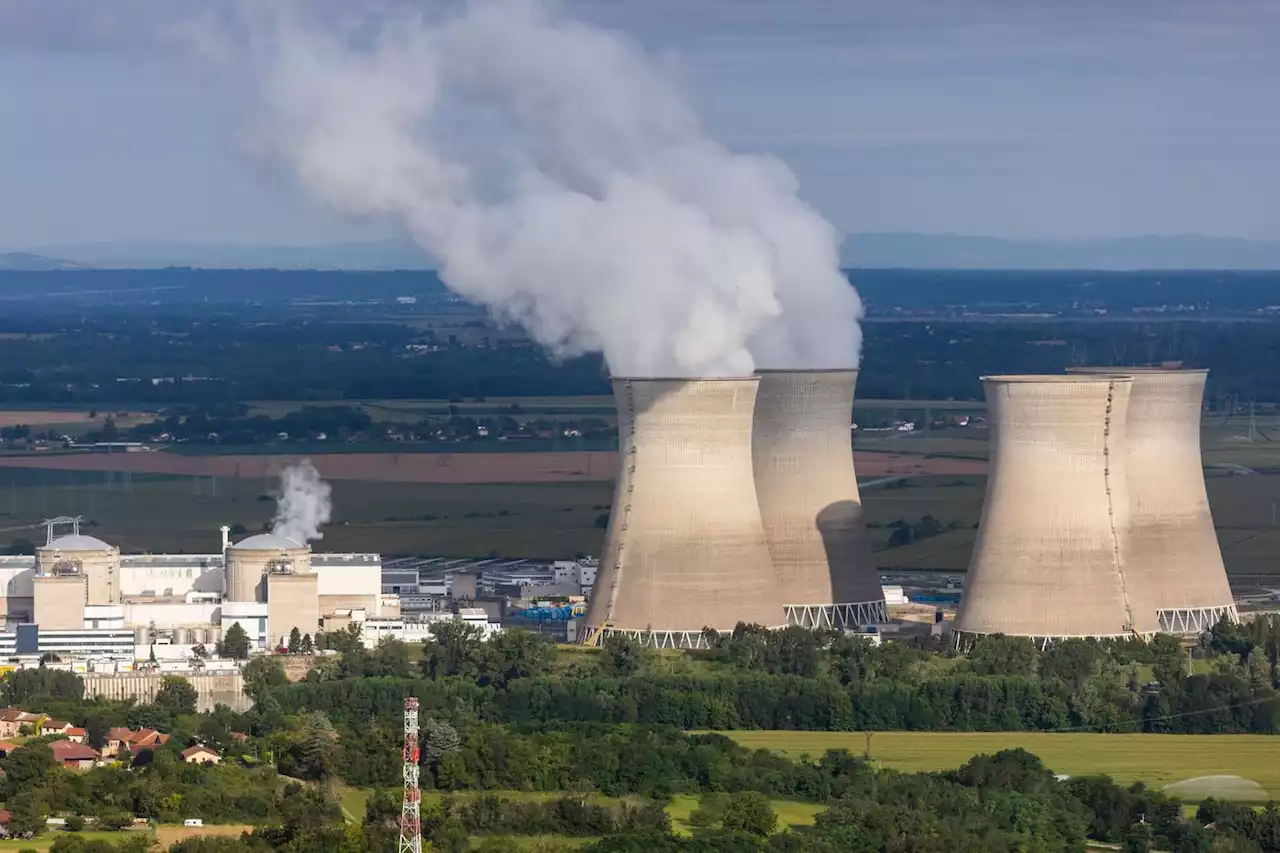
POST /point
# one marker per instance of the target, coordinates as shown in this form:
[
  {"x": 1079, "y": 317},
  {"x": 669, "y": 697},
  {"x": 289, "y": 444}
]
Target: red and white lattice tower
[{"x": 410, "y": 814}]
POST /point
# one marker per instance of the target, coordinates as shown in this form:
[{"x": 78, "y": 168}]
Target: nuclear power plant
[
  {"x": 1172, "y": 548},
  {"x": 79, "y": 596},
  {"x": 807, "y": 490},
  {"x": 685, "y": 548},
  {"x": 1051, "y": 556}
]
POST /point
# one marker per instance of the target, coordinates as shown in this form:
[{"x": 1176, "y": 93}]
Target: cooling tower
[
  {"x": 809, "y": 502},
  {"x": 685, "y": 549},
  {"x": 1173, "y": 549},
  {"x": 1048, "y": 562}
]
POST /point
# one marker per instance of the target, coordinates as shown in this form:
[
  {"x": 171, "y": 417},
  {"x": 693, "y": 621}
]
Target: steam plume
[
  {"x": 621, "y": 226},
  {"x": 303, "y": 505}
]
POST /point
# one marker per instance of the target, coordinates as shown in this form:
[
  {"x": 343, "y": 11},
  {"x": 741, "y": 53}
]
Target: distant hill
[
  {"x": 952, "y": 251},
  {"x": 867, "y": 250},
  {"x": 391, "y": 254},
  {"x": 29, "y": 262}
]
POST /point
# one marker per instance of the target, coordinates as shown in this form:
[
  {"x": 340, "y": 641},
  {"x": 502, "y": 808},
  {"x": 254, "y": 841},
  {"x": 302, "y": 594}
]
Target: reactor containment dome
[
  {"x": 685, "y": 549},
  {"x": 1173, "y": 550},
  {"x": 807, "y": 489},
  {"x": 1048, "y": 562}
]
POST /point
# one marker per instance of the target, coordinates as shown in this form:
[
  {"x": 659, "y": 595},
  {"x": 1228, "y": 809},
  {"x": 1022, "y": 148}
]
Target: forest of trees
[{"x": 514, "y": 713}]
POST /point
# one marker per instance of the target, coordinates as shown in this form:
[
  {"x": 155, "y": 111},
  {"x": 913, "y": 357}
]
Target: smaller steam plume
[{"x": 304, "y": 503}]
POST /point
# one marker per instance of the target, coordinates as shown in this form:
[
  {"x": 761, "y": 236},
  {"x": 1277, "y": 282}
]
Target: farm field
[
  {"x": 177, "y": 514},
  {"x": 1155, "y": 760},
  {"x": 45, "y": 841},
  {"x": 167, "y": 835}
]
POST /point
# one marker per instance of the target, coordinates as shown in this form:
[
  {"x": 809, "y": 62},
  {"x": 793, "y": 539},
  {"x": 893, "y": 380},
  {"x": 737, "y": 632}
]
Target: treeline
[
  {"x": 1005, "y": 803},
  {"x": 800, "y": 679},
  {"x": 188, "y": 356}
]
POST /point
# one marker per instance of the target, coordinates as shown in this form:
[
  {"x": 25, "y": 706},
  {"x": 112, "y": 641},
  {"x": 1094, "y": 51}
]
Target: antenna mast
[{"x": 410, "y": 814}]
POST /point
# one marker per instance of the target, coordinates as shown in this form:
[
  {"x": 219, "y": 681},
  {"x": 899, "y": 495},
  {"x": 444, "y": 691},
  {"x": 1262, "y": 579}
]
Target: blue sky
[{"x": 1011, "y": 118}]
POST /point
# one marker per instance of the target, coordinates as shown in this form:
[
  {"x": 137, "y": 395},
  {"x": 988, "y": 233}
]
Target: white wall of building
[
  {"x": 153, "y": 577},
  {"x": 166, "y": 614},
  {"x": 336, "y": 577}
]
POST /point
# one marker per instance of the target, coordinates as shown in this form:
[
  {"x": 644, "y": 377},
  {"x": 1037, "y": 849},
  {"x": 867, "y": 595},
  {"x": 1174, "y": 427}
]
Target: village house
[
  {"x": 6, "y": 747},
  {"x": 200, "y": 754},
  {"x": 54, "y": 727},
  {"x": 145, "y": 739},
  {"x": 117, "y": 739},
  {"x": 13, "y": 719},
  {"x": 75, "y": 756},
  {"x": 75, "y": 734}
]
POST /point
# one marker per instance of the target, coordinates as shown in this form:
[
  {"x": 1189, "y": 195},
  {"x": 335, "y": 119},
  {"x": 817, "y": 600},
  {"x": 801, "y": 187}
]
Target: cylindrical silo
[
  {"x": 1048, "y": 562},
  {"x": 1173, "y": 548},
  {"x": 250, "y": 559},
  {"x": 181, "y": 636},
  {"x": 685, "y": 549},
  {"x": 141, "y": 636},
  {"x": 802, "y": 457}
]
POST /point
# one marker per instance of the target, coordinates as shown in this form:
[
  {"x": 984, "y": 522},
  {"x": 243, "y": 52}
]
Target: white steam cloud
[
  {"x": 617, "y": 223},
  {"x": 304, "y": 503}
]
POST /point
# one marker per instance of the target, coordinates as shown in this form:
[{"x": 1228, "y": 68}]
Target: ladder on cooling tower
[
  {"x": 625, "y": 521},
  {"x": 1111, "y": 515}
]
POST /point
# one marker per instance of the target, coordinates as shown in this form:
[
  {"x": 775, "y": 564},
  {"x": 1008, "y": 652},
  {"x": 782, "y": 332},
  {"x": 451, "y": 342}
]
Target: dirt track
[{"x": 433, "y": 467}]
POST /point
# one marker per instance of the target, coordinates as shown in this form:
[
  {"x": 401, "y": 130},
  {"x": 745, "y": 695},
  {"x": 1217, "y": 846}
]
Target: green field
[{"x": 1156, "y": 760}]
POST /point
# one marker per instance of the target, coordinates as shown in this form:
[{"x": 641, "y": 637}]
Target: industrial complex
[
  {"x": 736, "y": 502},
  {"x": 79, "y": 595}
]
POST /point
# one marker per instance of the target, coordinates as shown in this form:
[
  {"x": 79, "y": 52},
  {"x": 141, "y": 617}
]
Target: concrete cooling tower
[
  {"x": 809, "y": 502},
  {"x": 685, "y": 549},
  {"x": 1048, "y": 562},
  {"x": 1173, "y": 549}
]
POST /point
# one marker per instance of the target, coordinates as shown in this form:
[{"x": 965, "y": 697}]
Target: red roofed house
[
  {"x": 54, "y": 727},
  {"x": 75, "y": 734},
  {"x": 146, "y": 739},
  {"x": 200, "y": 754},
  {"x": 117, "y": 739},
  {"x": 13, "y": 719},
  {"x": 74, "y": 755},
  {"x": 6, "y": 747}
]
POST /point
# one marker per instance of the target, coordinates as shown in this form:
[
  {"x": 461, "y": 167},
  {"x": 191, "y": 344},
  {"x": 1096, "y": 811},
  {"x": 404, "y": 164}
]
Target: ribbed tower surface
[
  {"x": 809, "y": 500},
  {"x": 685, "y": 549},
  {"x": 1048, "y": 560},
  {"x": 1173, "y": 547}
]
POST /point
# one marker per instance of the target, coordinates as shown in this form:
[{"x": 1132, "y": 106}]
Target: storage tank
[
  {"x": 181, "y": 636},
  {"x": 95, "y": 559},
  {"x": 249, "y": 560},
  {"x": 1048, "y": 560},
  {"x": 141, "y": 636},
  {"x": 685, "y": 548},
  {"x": 802, "y": 457},
  {"x": 1173, "y": 546}
]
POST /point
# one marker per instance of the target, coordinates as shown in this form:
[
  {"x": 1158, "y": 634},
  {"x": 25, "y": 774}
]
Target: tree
[
  {"x": 623, "y": 656},
  {"x": 95, "y": 730},
  {"x": 750, "y": 812},
  {"x": 438, "y": 739},
  {"x": 235, "y": 643},
  {"x": 295, "y": 640},
  {"x": 516, "y": 653},
  {"x": 307, "y": 646},
  {"x": 25, "y": 818},
  {"x": 199, "y": 651},
  {"x": 152, "y": 656},
  {"x": 454, "y": 649},
  {"x": 1139, "y": 839},
  {"x": 176, "y": 695}
]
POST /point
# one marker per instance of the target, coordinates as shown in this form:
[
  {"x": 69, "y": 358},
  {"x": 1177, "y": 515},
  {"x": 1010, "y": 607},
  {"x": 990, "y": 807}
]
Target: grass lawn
[{"x": 1156, "y": 760}]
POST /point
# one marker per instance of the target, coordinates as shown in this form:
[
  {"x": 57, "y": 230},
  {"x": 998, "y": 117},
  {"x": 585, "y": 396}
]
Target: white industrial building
[{"x": 78, "y": 595}]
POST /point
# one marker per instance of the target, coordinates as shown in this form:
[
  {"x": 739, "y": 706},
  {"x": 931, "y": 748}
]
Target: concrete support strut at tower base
[{"x": 685, "y": 549}]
